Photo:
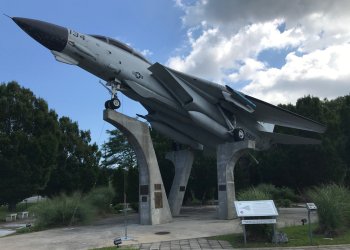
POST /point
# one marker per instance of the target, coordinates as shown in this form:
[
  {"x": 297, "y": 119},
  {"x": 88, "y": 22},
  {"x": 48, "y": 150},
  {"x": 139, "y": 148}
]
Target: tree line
[{"x": 41, "y": 153}]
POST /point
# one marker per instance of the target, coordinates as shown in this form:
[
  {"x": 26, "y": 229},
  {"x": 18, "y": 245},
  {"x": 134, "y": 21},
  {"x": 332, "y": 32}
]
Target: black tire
[
  {"x": 107, "y": 104},
  {"x": 238, "y": 134}
]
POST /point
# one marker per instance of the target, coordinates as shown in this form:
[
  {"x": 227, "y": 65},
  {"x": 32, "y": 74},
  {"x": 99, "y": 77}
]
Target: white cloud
[
  {"x": 323, "y": 73},
  {"x": 247, "y": 71},
  {"x": 214, "y": 52},
  {"x": 225, "y": 38}
]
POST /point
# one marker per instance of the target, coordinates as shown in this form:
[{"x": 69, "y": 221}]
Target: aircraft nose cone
[{"x": 52, "y": 36}]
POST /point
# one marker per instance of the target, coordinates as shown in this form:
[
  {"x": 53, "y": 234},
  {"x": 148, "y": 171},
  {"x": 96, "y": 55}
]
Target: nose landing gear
[{"x": 112, "y": 87}]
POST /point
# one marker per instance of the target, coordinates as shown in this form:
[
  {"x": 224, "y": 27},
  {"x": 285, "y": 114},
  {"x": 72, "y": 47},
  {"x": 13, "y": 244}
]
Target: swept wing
[{"x": 215, "y": 93}]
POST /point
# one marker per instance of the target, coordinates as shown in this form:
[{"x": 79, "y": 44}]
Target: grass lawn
[{"x": 297, "y": 236}]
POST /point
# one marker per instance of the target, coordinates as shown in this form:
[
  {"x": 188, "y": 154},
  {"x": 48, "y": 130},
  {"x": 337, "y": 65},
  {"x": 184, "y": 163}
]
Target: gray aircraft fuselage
[{"x": 187, "y": 109}]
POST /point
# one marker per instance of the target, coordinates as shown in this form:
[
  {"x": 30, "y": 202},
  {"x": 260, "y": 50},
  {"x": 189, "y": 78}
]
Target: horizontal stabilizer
[
  {"x": 266, "y": 112},
  {"x": 277, "y": 138}
]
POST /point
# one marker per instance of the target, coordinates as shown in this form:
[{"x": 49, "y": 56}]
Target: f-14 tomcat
[{"x": 188, "y": 109}]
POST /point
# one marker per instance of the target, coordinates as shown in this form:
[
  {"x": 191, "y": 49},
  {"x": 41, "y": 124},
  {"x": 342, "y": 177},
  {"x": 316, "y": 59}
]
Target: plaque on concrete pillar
[
  {"x": 182, "y": 188},
  {"x": 222, "y": 187},
  {"x": 143, "y": 198},
  {"x": 158, "y": 200},
  {"x": 157, "y": 186},
  {"x": 143, "y": 189}
]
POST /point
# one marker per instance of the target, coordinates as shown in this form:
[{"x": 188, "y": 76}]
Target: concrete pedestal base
[
  {"x": 182, "y": 161},
  {"x": 153, "y": 203},
  {"x": 227, "y": 156}
]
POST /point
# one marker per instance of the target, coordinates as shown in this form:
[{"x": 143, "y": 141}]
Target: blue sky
[{"x": 274, "y": 50}]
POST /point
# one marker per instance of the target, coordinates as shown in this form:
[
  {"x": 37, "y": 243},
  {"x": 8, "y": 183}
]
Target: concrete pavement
[{"x": 199, "y": 222}]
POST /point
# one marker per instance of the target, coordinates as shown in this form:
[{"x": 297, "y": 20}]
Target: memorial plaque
[
  {"x": 143, "y": 189},
  {"x": 157, "y": 186},
  {"x": 143, "y": 198},
  {"x": 182, "y": 188},
  {"x": 256, "y": 208},
  {"x": 222, "y": 187},
  {"x": 158, "y": 200}
]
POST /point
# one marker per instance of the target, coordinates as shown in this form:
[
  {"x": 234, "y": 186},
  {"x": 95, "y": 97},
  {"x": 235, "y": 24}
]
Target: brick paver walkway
[
  {"x": 200, "y": 243},
  {"x": 203, "y": 243}
]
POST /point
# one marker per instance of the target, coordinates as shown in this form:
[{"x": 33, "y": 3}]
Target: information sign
[
  {"x": 256, "y": 208},
  {"x": 311, "y": 206}
]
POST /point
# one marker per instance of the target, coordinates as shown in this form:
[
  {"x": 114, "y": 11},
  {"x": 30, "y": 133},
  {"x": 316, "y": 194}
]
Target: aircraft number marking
[{"x": 76, "y": 34}]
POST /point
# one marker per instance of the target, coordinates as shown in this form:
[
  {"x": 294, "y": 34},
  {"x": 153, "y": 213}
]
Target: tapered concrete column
[
  {"x": 182, "y": 161},
  {"x": 227, "y": 156},
  {"x": 153, "y": 203}
]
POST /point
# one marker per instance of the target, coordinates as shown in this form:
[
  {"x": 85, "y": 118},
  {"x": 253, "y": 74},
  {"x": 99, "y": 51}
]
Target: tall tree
[
  {"x": 117, "y": 154},
  {"x": 345, "y": 134},
  {"x": 202, "y": 183},
  {"x": 304, "y": 166},
  {"x": 28, "y": 143},
  {"x": 77, "y": 161}
]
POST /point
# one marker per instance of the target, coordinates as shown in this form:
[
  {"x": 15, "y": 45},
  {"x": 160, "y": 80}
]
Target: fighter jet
[{"x": 188, "y": 109}]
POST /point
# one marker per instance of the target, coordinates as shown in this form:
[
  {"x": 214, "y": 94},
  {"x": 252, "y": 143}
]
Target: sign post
[
  {"x": 250, "y": 212},
  {"x": 310, "y": 207}
]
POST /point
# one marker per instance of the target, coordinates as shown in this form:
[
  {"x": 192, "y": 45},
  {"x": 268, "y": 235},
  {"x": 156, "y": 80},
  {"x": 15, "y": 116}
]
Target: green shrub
[
  {"x": 283, "y": 203},
  {"x": 135, "y": 206},
  {"x": 333, "y": 208},
  {"x": 283, "y": 196},
  {"x": 101, "y": 198},
  {"x": 3, "y": 213},
  {"x": 269, "y": 189},
  {"x": 62, "y": 210},
  {"x": 252, "y": 194},
  {"x": 118, "y": 207}
]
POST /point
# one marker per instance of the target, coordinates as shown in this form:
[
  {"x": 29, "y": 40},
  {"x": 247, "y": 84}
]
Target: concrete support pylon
[
  {"x": 227, "y": 156},
  {"x": 153, "y": 203},
  {"x": 182, "y": 160}
]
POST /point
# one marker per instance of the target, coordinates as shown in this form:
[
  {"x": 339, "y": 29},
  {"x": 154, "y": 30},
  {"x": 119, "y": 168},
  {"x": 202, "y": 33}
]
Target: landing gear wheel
[
  {"x": 112, "y": 104},
  {"x": 238, "y": 134},
  {"x": 115, "y": 103}
]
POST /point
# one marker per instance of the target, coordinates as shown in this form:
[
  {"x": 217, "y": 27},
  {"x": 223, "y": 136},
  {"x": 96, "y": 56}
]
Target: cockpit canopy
[{"x": 122, "y": 46}]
